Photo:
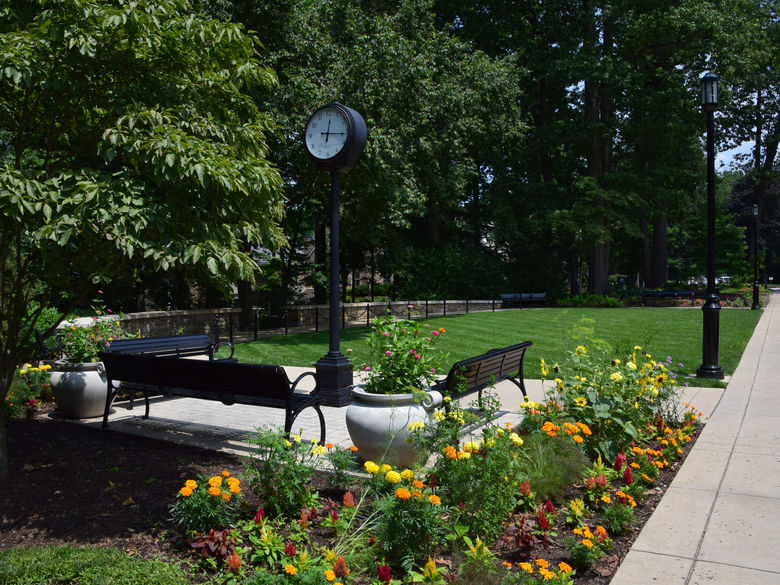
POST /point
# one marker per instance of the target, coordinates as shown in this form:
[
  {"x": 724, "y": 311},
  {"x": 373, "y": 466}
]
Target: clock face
[{"x": 326, "y": 133}]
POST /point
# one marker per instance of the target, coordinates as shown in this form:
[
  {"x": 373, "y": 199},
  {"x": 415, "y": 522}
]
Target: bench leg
[
  {"x": 520, "y": 385},
  {"x": 290, "y": 416}
]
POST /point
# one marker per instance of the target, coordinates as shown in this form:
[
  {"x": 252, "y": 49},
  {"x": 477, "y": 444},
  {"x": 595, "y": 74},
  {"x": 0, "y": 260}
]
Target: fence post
[
  {"x": 343, "y": 317},
  {"x": 216, "y": 328},
  {"x": 408, "y": 311},
  {"x": 256, "y": 322},
  {"x": 467, "y": 306},
  {"x": 444, "y": 307},
  {"x": 426, "y": 308},
  {"x": 286, "y": 324},
  {"x": 368, "y": 314},
  {"x": 316, "y": 318}
]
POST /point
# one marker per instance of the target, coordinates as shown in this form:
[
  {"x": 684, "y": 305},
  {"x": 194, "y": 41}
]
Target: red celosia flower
[
  {"x": 289, "y": 550},
  {"x": 619, "y": 460},
  {"x": 627, "y": 477},
  {"x": 541, "y": 520},
  {"x": 334, "y": 516},
  {"x": 349, "y": 500},
  {"x": 260, "y": 516},
  {"x": 549, "y": 507},
  {"x": 525, "y": 488},
  {"x": 384, "y": 573}
]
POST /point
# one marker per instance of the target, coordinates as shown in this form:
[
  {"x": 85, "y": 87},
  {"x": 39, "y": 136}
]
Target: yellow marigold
[
  {"x": 471, "y": 446},
  {"x": 564, "y": 567},
  {"x": 318, "y": 450},
  {"x": 290, "y": 569},
  {"x": 371, "y": 467},
  {"x": 407, "y": 475},
  {"x": 527, "y": 567},
  {"x": 191, "y": 483},
  {"x": 330, "y": 575},
  {"x": 415, "y": 425},
  {"x": 587, "y": 543},
  {"x": 234, "y": 488},
  {"x": 516, "y": 439},
  {"x": 434, "y": 499},
  {"x": 577, "y": 531},
  {"x": 464, "y": 455},
  {"x": 403, "y": 494},
  {"x": 542, "y": 563},
  {"x": 439, "y": 416},
  {"x": 385, "y": 468},
  {"x": 226, "y": 496},
  {"x": 548, "y": 575},
  {"x": 392, "y": 476},
  {"x": 601, "y": 532},
  {"x": 185, "y": 491},
  {"x": 215, "y": 481},
  {"x": 606, "y": 499},
  {"x": 214, "y": 491}
]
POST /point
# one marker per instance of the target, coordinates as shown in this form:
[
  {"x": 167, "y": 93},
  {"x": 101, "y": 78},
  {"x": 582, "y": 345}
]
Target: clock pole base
[{"x": 334, "y": 371}]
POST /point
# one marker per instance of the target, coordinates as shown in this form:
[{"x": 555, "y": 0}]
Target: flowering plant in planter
[
  {"x": 82, "y": 343},
  {"x": 403, "y": 356}
]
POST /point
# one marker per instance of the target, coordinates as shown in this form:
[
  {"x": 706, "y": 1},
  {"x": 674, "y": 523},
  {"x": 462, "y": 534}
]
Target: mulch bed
[{"x": 70, "y": 484}]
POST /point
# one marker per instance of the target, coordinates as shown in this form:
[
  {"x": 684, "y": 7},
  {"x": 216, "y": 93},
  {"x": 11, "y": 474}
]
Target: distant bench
[
  {"x": 480, "y": 372},
  {"x": 646, "y": 295},
  {"x": 517, "y": 299},
  {"x": 226, "y": 381}
]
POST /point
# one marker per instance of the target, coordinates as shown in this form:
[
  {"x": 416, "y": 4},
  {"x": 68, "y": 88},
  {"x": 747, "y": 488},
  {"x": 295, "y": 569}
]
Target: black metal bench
[
  {"x": 180, "y": 346},
  {"x": 517, "y": 299},
  {"x": 667, "y": 294},
  {"x": 173, "y": 346},
  {"x": 477, "y": 373},
  {"x": 229, "y": 382},
  {"x": 48, "y": 345}
]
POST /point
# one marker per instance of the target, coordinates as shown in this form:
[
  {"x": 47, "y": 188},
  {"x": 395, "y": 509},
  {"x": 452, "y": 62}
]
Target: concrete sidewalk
[{"x": 716, "y": 523}]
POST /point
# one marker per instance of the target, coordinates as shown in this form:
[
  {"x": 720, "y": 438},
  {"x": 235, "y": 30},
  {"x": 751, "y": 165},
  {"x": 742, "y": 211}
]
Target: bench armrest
[
  {"x": 316, "y": 389},
  {"x": 217, "y": 346}
]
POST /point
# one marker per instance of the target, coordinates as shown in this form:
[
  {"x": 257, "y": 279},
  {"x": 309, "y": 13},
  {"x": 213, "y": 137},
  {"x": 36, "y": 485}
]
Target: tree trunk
[
  {"x": 244, "y": 303},
  {"x": 3, "y": 447},
  {"x": 647, "y": 267},
  {"x": 598, "y": 269},
  {"x": 660, "y": 253}
]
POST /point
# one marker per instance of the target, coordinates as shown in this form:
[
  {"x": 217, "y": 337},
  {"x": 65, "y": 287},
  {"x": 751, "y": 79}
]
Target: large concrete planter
[
  {"x": 79, "y": 388},
  {"x": 378, "y": 424}
]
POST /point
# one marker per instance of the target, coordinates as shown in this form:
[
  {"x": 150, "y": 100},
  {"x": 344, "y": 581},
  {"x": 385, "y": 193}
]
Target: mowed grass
[{"x": 675, "y": 332}]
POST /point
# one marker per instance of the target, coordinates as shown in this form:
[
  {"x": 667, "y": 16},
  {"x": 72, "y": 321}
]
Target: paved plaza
[{"x": 716, "y": 524}]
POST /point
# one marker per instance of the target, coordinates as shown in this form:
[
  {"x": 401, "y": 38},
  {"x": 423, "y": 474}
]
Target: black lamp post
[
  {"x": 711, "y": 309},
  {"x": 756, "y": 304}
]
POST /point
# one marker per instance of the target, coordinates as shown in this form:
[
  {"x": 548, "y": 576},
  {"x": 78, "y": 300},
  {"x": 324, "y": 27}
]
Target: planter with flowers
[
  {"x": 79, "y": 382},
  {"x": 395, "y": 397}
]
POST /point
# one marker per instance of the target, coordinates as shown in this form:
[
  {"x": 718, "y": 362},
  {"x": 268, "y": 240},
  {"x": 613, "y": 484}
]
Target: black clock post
[{"x": 335, "y": 138}]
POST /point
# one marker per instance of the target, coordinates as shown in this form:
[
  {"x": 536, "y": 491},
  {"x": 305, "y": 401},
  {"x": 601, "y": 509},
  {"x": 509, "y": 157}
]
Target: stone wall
[{"x": 164, "y": 323}]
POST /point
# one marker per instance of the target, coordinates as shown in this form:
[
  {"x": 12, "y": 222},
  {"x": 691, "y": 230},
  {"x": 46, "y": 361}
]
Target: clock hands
[{"x": 327, "y": 133}]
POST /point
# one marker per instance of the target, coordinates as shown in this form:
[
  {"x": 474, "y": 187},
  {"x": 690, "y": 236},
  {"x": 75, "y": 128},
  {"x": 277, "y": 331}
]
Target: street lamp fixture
[{"x": 711, "y": 309}]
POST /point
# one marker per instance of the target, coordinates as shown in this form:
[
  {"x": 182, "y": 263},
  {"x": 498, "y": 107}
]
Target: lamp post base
[
  {"x": 710, "y": 337},
  {"x": 756, "y": 302},
  {"x": 334, "y": 371}
]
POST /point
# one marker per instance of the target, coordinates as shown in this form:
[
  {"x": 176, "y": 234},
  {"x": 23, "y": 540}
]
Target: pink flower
[
  {"x": 386, "y": 334},
  {"x": 412, "y": 351},
  {"x": 367, "y": 369},
  {"x": 388, "y": 353},
  {"x": 410, "y": 306},
  {"x": 417, "y": 356},
  {"x": 435, "y": 333},
  {"x": 109, "y": 311}
]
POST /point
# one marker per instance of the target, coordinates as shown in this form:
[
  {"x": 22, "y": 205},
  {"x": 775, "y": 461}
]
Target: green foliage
[
  {"x": 83, "y": 566},
  {"x": 403, "y": 356},
  {"x": 551, "y": 464},
  {"x": 128, "y": 143},
  {"x": 207, "y": 504},
  {"x": 279, "y": 471}
]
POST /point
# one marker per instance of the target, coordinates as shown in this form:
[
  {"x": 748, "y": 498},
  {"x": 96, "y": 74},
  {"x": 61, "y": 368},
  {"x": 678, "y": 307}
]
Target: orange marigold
[
  {"x": 403, "y": 494},
  {"x": 214, "y": 491}
]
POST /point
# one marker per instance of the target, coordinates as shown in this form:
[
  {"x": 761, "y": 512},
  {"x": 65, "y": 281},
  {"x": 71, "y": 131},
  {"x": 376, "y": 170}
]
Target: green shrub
[
  {"x": 551, "y": 464},
  {"x": 208, "y": 503},
  {"x": 67, "y": 565}
]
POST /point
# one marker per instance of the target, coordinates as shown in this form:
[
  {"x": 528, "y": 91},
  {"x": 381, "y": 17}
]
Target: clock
[{"x": 335, "y": 137}]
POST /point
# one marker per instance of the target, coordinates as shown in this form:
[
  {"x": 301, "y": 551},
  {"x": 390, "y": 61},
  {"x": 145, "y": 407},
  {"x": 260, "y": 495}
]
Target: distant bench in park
[
  {"x": 483, "y": 371},
  {"x": 167, "y": 371},
  {"x": 518, "y": 299}
]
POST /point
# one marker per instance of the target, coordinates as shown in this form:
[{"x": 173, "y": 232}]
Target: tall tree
[{"x": 126, "y": 139}]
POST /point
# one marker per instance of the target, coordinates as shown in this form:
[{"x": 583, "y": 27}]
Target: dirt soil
[{"x": 83, "y": 486}]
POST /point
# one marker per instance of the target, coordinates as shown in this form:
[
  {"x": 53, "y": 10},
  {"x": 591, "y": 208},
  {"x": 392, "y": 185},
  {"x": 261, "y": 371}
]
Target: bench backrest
[
  {"x": 198, "y": 376},
  {"x": 173, "y": 346},
  {"x": 482, "y": 370}
]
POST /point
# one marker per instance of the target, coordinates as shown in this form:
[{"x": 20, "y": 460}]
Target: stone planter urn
[
  {"x": 378, "y": 424},
  {"x": 79, "y": 388}
]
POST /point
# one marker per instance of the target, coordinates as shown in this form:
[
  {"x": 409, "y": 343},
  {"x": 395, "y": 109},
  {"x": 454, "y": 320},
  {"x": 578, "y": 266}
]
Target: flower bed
[{"x": 543, "y": 502}]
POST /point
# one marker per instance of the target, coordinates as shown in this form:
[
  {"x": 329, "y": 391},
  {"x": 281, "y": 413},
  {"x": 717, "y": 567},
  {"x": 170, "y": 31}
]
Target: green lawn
[{"x": 661, "y": 331}]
